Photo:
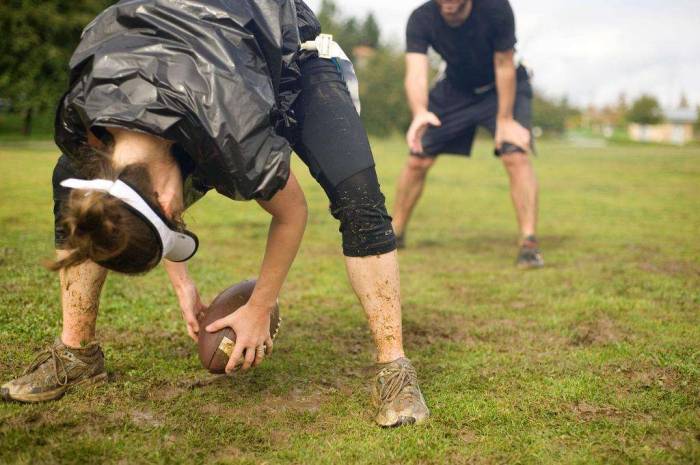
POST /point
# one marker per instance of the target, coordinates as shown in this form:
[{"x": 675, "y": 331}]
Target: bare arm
[
  {"x": 507, "y": 129},
  {"x": 191, "y": 304},
  {"x": 251, "y": 322},
  {"x": 416, "y": 83},
  {"x": 288, "y": 210}
]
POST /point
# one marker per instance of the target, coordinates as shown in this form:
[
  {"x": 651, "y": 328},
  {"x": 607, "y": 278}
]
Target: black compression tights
[{"x": 365, "y": 225}]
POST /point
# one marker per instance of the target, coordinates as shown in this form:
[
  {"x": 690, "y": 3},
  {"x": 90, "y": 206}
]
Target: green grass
[{"x": 594, "y": 359}]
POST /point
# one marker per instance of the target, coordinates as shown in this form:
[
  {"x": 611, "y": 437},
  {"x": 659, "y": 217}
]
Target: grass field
[{"x": 594, "y": 359}]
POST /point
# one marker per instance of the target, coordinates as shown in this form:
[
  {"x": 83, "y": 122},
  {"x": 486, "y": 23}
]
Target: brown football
[{"x": 215, "y": 348}]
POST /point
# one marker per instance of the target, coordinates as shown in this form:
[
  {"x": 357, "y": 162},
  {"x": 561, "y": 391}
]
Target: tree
[
  {"x": 384, "y": 107},
  {"x": 369, "y": 32},
  {"x": 38, "y": 40},
  {"x": 348, "y": 32},
  {"x": 551, "y": 115},
  {"x": 645, "y": 110}
]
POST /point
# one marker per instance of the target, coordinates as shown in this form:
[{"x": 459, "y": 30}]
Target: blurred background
[
  {"x": 593, "y": 359},
  {"x": 613, "y": 70}
]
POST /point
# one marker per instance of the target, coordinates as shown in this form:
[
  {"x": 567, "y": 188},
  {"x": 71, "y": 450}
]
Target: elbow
[
  {"x": 303, "y": 212},
  {"x": 296, "y": 213}
]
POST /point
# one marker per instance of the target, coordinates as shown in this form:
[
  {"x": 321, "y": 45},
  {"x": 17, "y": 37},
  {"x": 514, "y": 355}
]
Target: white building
[{"x": 677, "y": 128}]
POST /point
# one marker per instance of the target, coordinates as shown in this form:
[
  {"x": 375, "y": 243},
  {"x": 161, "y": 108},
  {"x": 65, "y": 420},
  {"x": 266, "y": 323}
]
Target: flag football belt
[{"x": 330, "y": 50}]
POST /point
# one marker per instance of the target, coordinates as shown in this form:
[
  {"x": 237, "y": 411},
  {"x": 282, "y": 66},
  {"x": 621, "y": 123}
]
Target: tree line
[{"x": 40, "y": 36}]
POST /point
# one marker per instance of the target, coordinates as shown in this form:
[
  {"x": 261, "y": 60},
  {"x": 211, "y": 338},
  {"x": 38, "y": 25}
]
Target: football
[{"x": 216, "y": 348}]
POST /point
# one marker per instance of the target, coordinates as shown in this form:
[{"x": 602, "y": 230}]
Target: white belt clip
[
  {"x": 323, "y": 44},
  {"x": 330, "y": 50}
]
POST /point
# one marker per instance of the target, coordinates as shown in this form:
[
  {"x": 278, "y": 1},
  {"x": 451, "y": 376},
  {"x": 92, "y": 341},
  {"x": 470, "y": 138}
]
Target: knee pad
[{"x": 365, "y": 225}]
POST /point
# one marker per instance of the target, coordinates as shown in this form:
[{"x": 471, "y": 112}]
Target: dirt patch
[
  {"x": 297, "y": 400},
  {"x": 227, "y": 454},
  {"x": 433, "y": 330},
  {"x": 145, "y": 419},
  {"x": 600, "y": 332},
  {"x": 468, "y": 437},
  {"x": 503, "y": 334},
  {"x": 587, "y": 412},
  {"x": 203, "y": 381},
  {"x": 23, "y": 419},
  {"x": 165, "y": 392},
  {"x": 672, "y": 268},
  {"x": 666, "y": 378}
]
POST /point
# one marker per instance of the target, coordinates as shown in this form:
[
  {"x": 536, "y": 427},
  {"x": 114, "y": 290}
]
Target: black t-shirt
[{"x": 468, "y": 49}]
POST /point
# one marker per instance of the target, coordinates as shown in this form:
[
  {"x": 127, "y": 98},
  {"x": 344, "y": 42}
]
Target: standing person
[
  {"x": 481, "y": 87},
  {"x": 328, "y": 136}
]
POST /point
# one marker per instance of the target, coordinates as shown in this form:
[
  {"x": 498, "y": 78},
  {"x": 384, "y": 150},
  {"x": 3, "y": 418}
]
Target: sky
[{"x": 589, "y": 50}]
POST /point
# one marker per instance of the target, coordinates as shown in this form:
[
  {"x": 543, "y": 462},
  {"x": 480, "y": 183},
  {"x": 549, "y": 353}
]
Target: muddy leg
[
  {"x": 80, "y": 298},
  {"x": 375, "y": 280}
]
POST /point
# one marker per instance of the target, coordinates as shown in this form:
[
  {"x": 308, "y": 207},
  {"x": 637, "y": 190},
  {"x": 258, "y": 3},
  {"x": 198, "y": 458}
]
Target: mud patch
[
  {"x": 297, "y": 400},
  {"x": 588, "y": 412},
  {"x": 600, "y": 332},
  {"x": 468, "y": 437},
  {"x": 435, "y": 330},
  {"x": 145, "y": 419},
  {"x": 672, "y": 268},
  {"x": 653, "y": 377},
  {"x": 165, "y": 392}
]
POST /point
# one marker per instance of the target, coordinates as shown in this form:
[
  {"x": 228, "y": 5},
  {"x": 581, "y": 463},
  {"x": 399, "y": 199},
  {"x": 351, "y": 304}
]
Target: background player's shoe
[
  {"x": 529, "y": 255},
  {"x": 396, "y": 395},
  {"x": 54, "y": 371}
]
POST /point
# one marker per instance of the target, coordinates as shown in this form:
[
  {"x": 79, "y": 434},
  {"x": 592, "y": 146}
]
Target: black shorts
[
  {"x": 462, "y": 112},
  {"x": 329, "y": 137}
]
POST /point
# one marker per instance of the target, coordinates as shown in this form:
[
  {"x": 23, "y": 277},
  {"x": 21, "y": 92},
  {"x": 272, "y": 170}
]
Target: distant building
[
  {"x": 677, "y": 128},
  {"x": 362, "y": 54}
]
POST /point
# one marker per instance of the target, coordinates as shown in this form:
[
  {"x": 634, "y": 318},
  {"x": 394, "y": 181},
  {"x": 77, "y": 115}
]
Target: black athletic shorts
[
  {"x": 329, "y": 137},
  {"x": 462, "y": 112}
]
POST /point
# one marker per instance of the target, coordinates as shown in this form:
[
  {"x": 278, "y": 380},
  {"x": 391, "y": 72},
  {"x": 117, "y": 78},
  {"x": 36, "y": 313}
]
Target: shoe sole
[
  {"x": 405, "y": 421},
  {"x": 58, "y": 393}
]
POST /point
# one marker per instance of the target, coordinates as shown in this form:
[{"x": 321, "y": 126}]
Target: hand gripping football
[{"x": 215, "y": 348}]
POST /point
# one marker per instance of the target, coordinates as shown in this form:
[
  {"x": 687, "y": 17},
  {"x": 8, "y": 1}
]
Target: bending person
[
  {"x": 328, "y": 136},
  {"x": 140, "y": 147}
]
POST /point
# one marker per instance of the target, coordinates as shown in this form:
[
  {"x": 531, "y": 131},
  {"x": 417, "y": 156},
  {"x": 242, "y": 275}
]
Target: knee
[
  {"x": 419, "y": 165},
  {"x": 366, "y": 229},
  {"x": 365, "y": 224},
  {"x": 516, "y": 161}
]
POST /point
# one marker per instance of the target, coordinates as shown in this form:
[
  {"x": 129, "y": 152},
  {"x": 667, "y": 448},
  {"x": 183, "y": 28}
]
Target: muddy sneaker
[
  {"x": 529, "y": 255},
  {"x": 54, "y": 371},
  {"x": 396, "y": 395}
]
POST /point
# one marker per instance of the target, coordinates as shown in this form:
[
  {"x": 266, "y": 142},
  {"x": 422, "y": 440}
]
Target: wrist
[
  {"x": 181, "y": 286},
  {"x": 420, "y": 111},
  {"x": 261, "y": 306},
  {"x": 504, "y": 118}
]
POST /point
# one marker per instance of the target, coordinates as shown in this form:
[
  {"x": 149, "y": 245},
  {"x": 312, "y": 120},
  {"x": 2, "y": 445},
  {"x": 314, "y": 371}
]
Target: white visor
[{"x": 176, "y": 246}]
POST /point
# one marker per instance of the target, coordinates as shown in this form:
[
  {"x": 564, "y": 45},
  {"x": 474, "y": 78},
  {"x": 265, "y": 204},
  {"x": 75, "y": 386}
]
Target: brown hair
[{"x": 104, "y": 229}]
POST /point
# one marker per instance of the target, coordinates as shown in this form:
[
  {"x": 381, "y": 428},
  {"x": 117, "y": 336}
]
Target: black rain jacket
[{"x": 217, "y": 77}]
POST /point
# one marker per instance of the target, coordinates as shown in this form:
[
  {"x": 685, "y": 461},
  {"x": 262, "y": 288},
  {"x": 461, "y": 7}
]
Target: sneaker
[
  {"x": 529, "y": 256},
  {"x": 54, "y": 371},
  {"x": 396, "y": 395}
]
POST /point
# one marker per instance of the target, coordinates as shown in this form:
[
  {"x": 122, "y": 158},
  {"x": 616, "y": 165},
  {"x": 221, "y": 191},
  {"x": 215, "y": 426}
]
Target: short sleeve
[
  {"x": 503, "y": 37},
  {"x": 417, "y": 34}
]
